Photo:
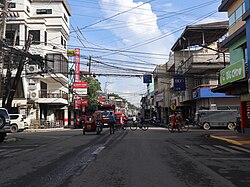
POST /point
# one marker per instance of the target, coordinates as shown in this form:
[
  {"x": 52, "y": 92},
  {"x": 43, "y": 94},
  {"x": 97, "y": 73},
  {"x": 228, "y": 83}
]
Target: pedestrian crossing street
[{"x": 227, "y": 149}]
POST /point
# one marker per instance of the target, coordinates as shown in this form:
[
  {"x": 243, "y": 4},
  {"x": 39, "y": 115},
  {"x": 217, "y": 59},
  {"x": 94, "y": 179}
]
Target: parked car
[
  {"x": 26, "y": 122},
  {"x": 16, "y": 122},
  {"x": 4, "y": 123},
  {"x": 216, "y": 118}
]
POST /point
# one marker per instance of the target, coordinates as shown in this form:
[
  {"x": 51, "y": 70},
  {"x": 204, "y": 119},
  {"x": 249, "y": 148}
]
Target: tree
[
  {"x": 130, "y": 106},
  {"x": 93, "y": 87}
]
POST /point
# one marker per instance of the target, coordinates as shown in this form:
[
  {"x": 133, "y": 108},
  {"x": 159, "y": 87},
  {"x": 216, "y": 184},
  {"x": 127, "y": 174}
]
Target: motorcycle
[{"x": 154, "y": 121}]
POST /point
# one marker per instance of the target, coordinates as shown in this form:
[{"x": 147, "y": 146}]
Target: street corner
[
  {"x": 229, "y": 139},
  {"x": 236, "y": 139}
]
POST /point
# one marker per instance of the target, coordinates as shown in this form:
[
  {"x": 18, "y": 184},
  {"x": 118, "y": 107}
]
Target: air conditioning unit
[
  {"x": 33, "y": 95},
  {"x": 32, "y": 69}
]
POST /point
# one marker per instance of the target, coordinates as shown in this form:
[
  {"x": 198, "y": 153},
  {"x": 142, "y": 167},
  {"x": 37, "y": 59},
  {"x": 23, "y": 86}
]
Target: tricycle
[{"x": 92, "y": 124}]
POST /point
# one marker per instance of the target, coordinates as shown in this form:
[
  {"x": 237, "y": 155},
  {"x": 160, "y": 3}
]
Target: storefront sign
[
  {"x": 80, "y": 88},
  {"x": 179, "y": 83},
  {"x": 84, "y": 102},
  {"x": 71, "y": 52},
  {"x": 77, "y": 64},
  {"x": 159, "y": 97},
  {"x": 233, "y": 73}
]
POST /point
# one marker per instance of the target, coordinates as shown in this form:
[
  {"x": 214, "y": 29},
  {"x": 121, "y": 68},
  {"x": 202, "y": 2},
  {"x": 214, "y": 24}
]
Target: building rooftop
[
  {"x": 65, "y": 3},
  {"x": 225, "y": 4},
  {"x": 195, "y": 34}
]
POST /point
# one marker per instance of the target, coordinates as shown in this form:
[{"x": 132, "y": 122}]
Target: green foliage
[
  {"x": 130, "y": 106},
  {"x": 93, "y": 87}
]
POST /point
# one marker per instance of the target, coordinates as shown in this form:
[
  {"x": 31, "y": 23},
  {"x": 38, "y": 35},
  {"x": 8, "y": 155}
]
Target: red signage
[
  {"x": 102, "y": 99},
  {"x": 84, "y": 102},
  {"x": 80, "y": 85},
  {"x": 77, "y": 64}
]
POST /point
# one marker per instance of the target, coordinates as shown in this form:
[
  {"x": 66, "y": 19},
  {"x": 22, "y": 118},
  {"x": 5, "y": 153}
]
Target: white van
[
  {"x": 16, "y": 123},
  {"x": 216, "y": 118}
]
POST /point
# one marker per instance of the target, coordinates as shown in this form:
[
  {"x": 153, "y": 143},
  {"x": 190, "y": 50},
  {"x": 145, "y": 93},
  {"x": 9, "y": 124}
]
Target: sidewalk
[
  {"x": 233, "y": 137},
  {"x": 47, "y": 130}
]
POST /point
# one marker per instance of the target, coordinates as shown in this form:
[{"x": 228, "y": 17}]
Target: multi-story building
[
  {"x": 161, "y": 85},
  {"x": 197, "y": 62},
  {"x": 234, "y": 78},
  {"x": 42, "y": 92}
]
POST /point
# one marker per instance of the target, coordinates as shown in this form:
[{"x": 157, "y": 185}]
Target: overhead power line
[{"x": 118, "y": 14}]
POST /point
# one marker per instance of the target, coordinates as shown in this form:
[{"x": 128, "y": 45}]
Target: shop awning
[
  {"x": 52, "y": 101},
  {"x": 234, "y": 88}
]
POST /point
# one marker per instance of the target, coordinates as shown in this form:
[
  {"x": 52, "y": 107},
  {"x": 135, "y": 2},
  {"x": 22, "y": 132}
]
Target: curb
[
  {"x": 47, "y": 130},
  {"x": 226, "y": 139}
]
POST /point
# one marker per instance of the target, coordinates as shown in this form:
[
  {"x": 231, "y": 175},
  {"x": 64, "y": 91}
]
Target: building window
[
  {"x": 11, "y": 30},
  {"x": 197, "y": 82},
  {"x": 237, "y": 14},
  {"x": 36, "y": 36},
  {"x": 65, "y": 17},
  {"x": 45, "y": 38},
  {"x": 43, "y": 11},
  {"x": 61, "y": 40},
  {"x": 65, "y": 44},
  {"x": 12, "y": 5}
]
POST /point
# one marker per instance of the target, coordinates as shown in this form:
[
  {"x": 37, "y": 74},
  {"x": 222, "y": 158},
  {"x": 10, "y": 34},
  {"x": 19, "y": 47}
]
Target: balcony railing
[
  {"x": 43, "y": 94},
  {"x": 202, "y": 62}
]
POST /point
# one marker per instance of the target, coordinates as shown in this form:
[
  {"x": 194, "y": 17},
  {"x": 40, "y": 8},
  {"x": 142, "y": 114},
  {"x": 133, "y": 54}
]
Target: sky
[{"x": 130, "y": 37}]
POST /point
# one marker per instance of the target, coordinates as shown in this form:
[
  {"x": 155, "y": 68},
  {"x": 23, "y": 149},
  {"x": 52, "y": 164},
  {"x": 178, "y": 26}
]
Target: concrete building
[
  {"x": 42, "y": 93},
  {"x": 193, "y": 70},
  {"x": 234, "y": 78}
]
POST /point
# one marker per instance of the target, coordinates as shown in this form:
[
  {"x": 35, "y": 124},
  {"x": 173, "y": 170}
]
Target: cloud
[{"x": 139, "y": 26}]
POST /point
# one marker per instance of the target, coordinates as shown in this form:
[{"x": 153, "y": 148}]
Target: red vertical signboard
[{"x": 77, "y": 64}]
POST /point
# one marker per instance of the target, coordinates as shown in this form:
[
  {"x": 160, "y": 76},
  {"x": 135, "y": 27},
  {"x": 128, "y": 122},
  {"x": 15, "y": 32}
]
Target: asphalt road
[{"x": 128, "y": 158}]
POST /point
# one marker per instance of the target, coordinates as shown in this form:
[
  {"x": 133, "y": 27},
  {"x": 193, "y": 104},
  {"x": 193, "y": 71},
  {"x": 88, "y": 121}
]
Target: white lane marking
[
  {"x": 98, "y": 150},
  {"x": 226, "y": 149},
  {"x": 210, "y": 148},
  {"x": 240, "y": 148}
]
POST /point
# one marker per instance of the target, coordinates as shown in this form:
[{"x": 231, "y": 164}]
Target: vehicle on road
[
  {"x": 16, "y": 123},
  {"x": 137, "y": 123},
  {"x": 106, "y": 108},
  {"x": 207, "y": 119},
  {"x": 26, "y": 122},
  {"x": 4, "y": 123},
  {"x": 93, "y": 123}
]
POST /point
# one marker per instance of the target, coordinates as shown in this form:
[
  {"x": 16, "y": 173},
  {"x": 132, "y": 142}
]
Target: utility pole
[
  {"x": 2, "y": 39},
  {"x": 18, "y": 74},
  {"x": 89, "y": 65},
  {"x": 4, "y": 17}
]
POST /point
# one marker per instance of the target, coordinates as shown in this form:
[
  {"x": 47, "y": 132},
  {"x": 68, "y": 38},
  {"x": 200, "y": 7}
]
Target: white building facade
[{"x": 42, "y": 93}]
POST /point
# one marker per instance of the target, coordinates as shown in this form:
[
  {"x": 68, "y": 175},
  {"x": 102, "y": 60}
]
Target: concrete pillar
[
  {"x": 243, "y": 114},
  {"x": 72, "y": 118},
  {"x": 66, "y": 113}
]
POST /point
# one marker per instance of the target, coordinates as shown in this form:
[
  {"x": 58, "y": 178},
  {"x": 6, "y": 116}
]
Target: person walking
[{"x": 112, "y": 122}]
